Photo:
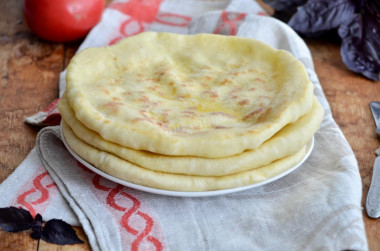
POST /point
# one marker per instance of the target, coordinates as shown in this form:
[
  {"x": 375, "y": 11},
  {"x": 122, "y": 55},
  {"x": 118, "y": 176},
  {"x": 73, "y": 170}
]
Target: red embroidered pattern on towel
[
  {"x": 142, "y": 13},
  {"x": 35, "y": 195},
  {"x": 229, "y": 23},
  {"x": 141, "y": 230}
]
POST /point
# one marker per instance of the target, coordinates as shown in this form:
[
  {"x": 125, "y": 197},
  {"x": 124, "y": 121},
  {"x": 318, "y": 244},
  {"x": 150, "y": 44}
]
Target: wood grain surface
[{"x": 29, "y": 82}]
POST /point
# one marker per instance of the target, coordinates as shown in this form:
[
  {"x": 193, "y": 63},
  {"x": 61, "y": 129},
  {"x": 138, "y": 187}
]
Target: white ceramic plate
[{"x": 186, "y": 194}]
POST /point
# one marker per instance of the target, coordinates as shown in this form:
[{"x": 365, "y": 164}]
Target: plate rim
[{"x": 172, "y": 193}]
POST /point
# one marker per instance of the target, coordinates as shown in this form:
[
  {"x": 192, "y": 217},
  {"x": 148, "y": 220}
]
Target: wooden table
[{"x": 29, "y": 82}]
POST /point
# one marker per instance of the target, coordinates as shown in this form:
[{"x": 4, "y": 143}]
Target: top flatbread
[{"x": 193, "y": 95}]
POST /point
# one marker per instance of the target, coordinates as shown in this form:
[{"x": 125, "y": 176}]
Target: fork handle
[{"x": 373, "y": 197}]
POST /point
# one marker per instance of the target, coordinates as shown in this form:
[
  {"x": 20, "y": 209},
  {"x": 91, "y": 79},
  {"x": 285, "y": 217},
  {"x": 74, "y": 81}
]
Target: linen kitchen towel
[{"x": 316, "y": 207}]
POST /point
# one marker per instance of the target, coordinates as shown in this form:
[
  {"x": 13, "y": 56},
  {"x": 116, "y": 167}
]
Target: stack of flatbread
[{"x": 189, "y": 112}]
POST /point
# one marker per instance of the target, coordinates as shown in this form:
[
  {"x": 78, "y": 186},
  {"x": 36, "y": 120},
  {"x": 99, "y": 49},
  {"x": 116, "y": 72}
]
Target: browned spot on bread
[
  {"x": 106, "y": 91},
  {"x": 211, "y": 94},
  {"x": 226, "y": 81},
  {"x": 189, "y": 114},
  {"x": 135, "y": 120},
  {"x": 153, "y": 87},
  {"x": 244, "y": 102},
  {"x": 260, "y": 80},
  {"x": 220, "y": 127},
  {"x": 144, "y": 99},
  {"x": 264, "y": 115},
  {"x": 253, "y": 113},
  {"x": 113, "y": 106}
]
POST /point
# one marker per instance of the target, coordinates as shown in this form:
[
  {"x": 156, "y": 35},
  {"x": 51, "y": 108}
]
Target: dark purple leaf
[
  {"x": 322, "y": 15},
  {"x": 361, "y": 41},
  {"x": 37, "y": 227},
  {"x": 13, "y": 219},
  {"x": 284, "y": 5},
  {"x": 59, "y": 232}
]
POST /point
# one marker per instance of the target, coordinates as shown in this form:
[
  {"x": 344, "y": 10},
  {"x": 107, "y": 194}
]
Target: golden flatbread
[
  {"x": 286, "y": 142},
  {"x": 129, "y": 172},
  {"x": 199, "y": 95}
]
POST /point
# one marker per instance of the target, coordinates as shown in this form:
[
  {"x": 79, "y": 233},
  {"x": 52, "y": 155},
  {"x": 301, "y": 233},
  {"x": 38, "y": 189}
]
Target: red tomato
[{"x": 62, "y": 20}]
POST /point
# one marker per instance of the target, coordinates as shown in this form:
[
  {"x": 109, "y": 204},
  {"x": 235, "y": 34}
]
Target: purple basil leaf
[
  {"x": 13, "y": 219},
  {"x": 361, "y": 41},
  {"x": 37, "y": 227},
  {"x": 284, "y": 5},
  {"x": 322, "y": 15},
  {"x": 59, "y": 232}
]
